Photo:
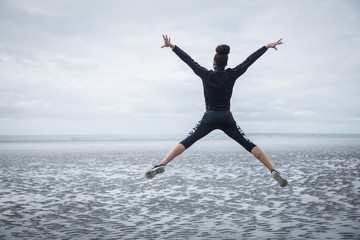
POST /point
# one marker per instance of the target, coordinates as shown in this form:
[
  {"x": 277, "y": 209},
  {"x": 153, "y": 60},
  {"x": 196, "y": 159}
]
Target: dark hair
[{"x": 221, "y": 56}]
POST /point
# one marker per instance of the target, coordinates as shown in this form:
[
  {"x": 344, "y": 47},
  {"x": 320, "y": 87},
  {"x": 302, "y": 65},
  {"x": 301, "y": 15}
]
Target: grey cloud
[{"x": 69, "y": 61}]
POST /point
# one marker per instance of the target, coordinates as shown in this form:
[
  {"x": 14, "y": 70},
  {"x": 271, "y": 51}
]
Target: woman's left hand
[{"x": 274, "y": 44}]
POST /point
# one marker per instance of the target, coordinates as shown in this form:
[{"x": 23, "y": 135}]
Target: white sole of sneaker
[{"x": 151, "y": 173}]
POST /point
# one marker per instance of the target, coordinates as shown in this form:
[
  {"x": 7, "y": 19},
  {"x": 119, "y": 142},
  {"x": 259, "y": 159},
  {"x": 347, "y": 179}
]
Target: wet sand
[{"x": 221, "y": 192}]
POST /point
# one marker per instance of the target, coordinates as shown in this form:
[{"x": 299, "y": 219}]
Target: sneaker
[
  {"x": 155, "y": 170},
  {"x": 276, "y": 175}
]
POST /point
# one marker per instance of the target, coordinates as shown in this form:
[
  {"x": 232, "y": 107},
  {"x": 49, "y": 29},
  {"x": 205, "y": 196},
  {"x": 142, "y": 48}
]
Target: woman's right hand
[
  {"x": 167, "y": 42},
  {"x": 274, "y": 44}
]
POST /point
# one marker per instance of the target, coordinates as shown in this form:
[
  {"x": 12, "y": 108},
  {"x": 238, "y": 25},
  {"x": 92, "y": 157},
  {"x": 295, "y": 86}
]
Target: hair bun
[{"x": 223, "y": 49}]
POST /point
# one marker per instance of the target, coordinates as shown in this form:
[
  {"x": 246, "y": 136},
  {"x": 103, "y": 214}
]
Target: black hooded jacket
[{"x": 218, "y": 84}]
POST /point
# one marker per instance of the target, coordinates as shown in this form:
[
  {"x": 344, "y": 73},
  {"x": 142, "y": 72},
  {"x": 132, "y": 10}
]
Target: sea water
[{"x": 94, "y": 187}]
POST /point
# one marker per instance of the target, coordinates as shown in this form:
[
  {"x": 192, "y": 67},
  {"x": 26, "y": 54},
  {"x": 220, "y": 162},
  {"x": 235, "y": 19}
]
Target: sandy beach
[{"x": 215, "y": 190}]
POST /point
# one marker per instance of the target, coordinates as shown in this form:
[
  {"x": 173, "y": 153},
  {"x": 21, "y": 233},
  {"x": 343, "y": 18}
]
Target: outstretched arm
[
  {"x": 198, "y": 70},
  {"x": 242, "y": 67},
  {"x": 274, "y": 44}
]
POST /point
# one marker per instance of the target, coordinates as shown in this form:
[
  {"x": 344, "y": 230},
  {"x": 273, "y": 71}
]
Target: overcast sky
[{"x": 96, "y": 67}]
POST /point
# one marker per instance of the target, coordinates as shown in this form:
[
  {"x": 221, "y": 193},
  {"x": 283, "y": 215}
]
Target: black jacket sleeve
[
  {"x": 242, "y": 67},
  {"x": 198, "y": 70}
]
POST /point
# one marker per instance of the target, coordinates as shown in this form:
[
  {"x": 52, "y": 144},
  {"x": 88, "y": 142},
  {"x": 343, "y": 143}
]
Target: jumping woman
[{"x": 218, "y": 87}]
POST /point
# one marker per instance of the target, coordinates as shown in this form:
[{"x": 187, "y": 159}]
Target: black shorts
[{"x": 222, "y": 120}]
